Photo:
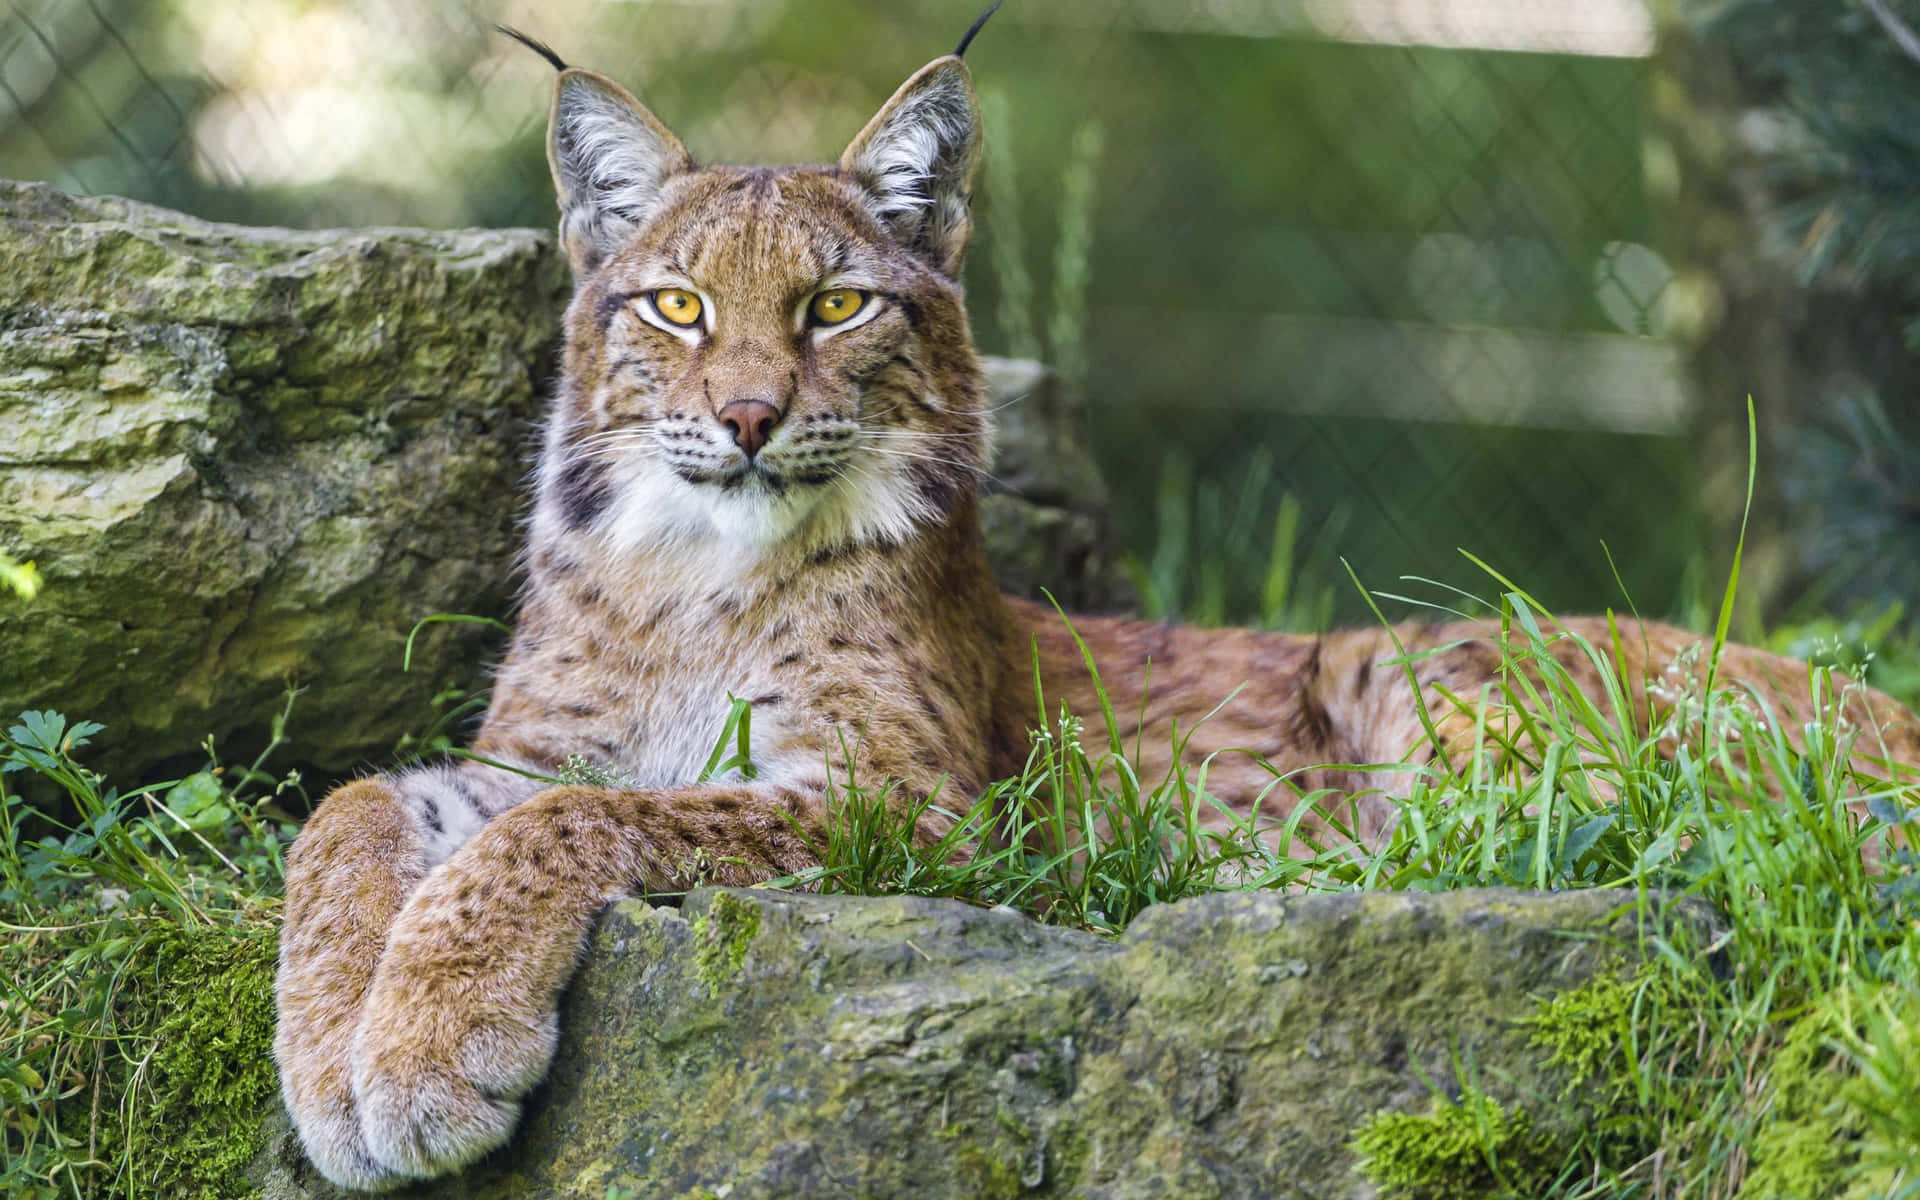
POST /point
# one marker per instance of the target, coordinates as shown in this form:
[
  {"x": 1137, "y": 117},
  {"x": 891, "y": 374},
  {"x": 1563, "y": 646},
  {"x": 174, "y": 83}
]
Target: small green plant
[
  {"x": 1466, "y": 1149},
  {"x": 22, "y": 579},
  {"x": 452, "y": 705}
]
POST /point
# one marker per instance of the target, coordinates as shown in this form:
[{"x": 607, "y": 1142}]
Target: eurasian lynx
[{"x": 758, "y": 479}]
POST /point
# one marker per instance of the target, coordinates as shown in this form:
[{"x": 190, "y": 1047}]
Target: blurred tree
[{"x": 1798, "y": 122}]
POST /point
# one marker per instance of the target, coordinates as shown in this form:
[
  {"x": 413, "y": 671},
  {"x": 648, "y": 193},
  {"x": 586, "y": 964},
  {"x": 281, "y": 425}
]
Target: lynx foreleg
[
  {"x": 348, "y": 876},
  {"x": 461, "y": 1020}
]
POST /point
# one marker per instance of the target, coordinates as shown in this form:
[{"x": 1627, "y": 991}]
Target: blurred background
[{"x": 1372, "y": 279}]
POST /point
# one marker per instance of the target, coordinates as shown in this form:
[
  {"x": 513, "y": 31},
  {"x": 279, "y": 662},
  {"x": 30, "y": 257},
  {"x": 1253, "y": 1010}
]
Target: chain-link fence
[{"x": 1373, "y": 279}]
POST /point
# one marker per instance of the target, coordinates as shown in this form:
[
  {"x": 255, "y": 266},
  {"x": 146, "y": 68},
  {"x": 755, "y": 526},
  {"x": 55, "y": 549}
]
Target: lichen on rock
[{"x": 721, "y": 936}]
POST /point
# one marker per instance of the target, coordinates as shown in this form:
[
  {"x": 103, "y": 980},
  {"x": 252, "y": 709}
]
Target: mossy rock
[
  {"x": 245, "y": 459},
  {"x": 249, "y": 458},
  {"x": 760, "y": 1044}
]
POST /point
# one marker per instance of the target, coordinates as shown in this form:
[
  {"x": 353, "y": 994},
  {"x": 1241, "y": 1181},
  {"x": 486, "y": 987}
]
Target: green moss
[
  {"x": 721, "y": 936},
  {"x": 1475, "y": 1147},
  {"x": 1586, "y": 1030},
  {"x": 1466, "y": 1150},
  {"x": 195, "y": 1116},
  {"x": 1604, "y": 1034},
  {"x": 178, "y": 1061},
  {"x": 990, "y": 1171},
  {"x": 1806, "y": 1141},
  {"x": 1807, "y": 1146}
]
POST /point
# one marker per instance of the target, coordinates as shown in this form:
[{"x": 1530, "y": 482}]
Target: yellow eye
[
  {"x": 833, "y": 307},
  {"x": 677, "y": 306}
]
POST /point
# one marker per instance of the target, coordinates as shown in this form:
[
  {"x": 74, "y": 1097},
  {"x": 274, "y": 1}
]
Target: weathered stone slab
[
  {"x": 762, "y": 1044},
  {"x": 245, "y": 458},
  {"x": 248, "y": 458}
]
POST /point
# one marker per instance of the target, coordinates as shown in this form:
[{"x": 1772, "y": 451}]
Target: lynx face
[{"x": 764, "y": 356}]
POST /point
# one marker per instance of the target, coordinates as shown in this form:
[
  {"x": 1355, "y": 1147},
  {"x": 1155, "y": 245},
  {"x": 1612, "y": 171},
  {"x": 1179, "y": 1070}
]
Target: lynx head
[{"x": 764, "y": 356}]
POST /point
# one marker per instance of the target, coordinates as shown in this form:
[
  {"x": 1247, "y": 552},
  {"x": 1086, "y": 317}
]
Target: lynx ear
[
  {"x": 916, "y": 158},
  {"x": 610, "y": 158}
]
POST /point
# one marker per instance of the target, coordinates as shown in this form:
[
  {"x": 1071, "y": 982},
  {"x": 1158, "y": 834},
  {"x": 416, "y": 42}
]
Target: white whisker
[
  {"x": 916, "y": 434},
  {"x": 933, "y": 458}
]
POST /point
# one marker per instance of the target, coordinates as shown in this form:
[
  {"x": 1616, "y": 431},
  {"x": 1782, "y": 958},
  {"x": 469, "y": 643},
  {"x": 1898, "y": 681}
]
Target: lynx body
[{"x": 758, "y": 480}]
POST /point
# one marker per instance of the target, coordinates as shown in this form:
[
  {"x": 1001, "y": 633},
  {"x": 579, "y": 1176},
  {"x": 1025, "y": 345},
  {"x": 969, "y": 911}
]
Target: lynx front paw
[
  {"x": 331, "y": 1138},
  {"x": 430, "y": 1105}
]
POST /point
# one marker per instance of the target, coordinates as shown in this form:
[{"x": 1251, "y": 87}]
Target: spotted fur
[{"x": 836, "y": 578}]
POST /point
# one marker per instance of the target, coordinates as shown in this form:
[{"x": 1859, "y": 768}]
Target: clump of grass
[
  {"x": 1078, "y": 838},
  {"x": 135, "y": 974}
]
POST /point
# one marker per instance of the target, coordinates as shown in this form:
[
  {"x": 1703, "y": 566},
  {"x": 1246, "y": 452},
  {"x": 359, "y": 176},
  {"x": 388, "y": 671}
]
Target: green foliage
[
  {"x": 1585, "y": 1030},
  {"x": 1220, "y": 558},
  {"x": 135, "y": 978},
  {"x": 452, "y": 705},
  {"x": 737, "y": 733},
  {"x": 1875, "y": 1023},
  {"x": 1807, "y": 1143}
]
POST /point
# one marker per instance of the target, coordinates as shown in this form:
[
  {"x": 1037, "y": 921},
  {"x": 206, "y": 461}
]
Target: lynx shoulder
[{"x": 758, "y": 480}]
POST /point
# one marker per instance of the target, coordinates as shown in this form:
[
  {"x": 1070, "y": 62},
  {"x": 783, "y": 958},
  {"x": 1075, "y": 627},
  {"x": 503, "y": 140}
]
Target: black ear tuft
[
  {"x": 539, "y": 47},
  {"x": 966, "y": 39}
]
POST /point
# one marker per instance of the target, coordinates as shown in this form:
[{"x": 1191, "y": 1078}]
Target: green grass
[
  {"x": 1217, "y": 560},
  {"x": 136, "y": 1018}
]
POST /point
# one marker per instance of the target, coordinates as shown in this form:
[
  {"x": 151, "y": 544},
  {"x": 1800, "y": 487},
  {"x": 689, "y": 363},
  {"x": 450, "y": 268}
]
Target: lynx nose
[{"x": 750, "y": 422}]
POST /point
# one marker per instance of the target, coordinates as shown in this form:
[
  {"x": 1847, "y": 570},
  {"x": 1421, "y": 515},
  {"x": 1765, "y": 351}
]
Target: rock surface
[
  {"x": 1045, "y": 512},
  {"x": 248, "y": 458},
  {"x": 760, "y": 1044}
]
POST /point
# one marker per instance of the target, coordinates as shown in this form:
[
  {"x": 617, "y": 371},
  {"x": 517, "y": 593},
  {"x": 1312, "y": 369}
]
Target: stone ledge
[{"x": 763, "y": 1044}]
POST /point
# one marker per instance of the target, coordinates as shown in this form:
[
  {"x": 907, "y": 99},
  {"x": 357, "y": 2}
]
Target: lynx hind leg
[
  {"x": 349, "y": 874},
  {"x": 462, "y": 1019}
]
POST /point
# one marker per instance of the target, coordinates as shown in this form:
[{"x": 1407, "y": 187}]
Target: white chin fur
[{"x": 655, "y": 509}]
